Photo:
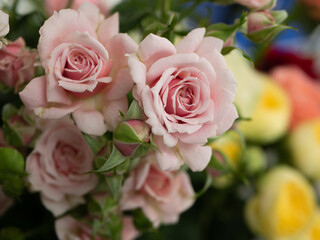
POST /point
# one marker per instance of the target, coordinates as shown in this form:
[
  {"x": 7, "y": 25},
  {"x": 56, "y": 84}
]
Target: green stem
[{"x": 165, "y": 7}]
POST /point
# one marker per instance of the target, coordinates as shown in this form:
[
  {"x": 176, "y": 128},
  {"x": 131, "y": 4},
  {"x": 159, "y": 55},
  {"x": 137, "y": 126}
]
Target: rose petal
[
  {"x": 111, "y": 111},
  {"x": 55, "y": 30},
  {"x": 90, "y": 121},
  {"x": 56, "y": 112},
  {"x": 191, "y": 42},
  {"x": 108, "y": 28},
  {"x": 60, "y": 207},
  {"x": 168, "y": 158},
  {"x": 121, "y": 85},
  {"x": 33, "y": 95},
  {"x": 153, "y": 48},
  {"x": 195, "y": 156},
  {"x": 207, "y": 45},
  {"x": 91, "y": 11}
]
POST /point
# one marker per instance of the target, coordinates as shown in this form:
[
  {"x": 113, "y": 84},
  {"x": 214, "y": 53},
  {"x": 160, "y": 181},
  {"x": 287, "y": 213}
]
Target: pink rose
[
  {"x": 16, "y": 64},
  {"x": 162, "y": 196},
  {"x": 5, "y": 202},
  {"x": 4, "y": 24},
  {"x": 70, "y": 228},
  {"x": 57, "y": 165},
  {"x": 257, "y": 4},
  {"x": 86, "y": 70},
  {"x": 56, "y": 5},
  {"x": 187, "y": 93}
]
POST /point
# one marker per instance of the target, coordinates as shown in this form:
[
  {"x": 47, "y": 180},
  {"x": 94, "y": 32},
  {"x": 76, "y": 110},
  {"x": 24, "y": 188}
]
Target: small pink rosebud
[
  {"x": 265, "y": 25},
  {"x": 259, "y": 20},
  {"x": 132, "y": 138}
]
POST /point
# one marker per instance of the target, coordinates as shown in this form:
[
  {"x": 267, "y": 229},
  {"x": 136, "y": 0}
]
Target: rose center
[{"x": 64, "y": 157}]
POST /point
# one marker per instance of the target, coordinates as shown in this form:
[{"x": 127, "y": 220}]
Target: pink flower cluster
[{"x": 185, "y": 92}]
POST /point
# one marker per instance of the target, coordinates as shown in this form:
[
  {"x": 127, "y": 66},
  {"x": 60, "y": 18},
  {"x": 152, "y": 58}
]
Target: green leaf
[
  {"x": 114, "y": 184},
  {"x": 8, "y": 111},
  {"x": 11, "y": 136},
  {"x": 95, "y": 144},
  {"x": 279, "y": 16},
  {"x": 267, "y": 34},
  {"x": 114, "y": 226},
  {"x": 141, "y": 150},
  {"x": 95, "y": 228},
  {"x": 94, "y": 206},
  {"x": 13, "y": 186},
  {"x": 141, "y": 222},
  {"x": 11, "y": 172},
  {"x": 224, "y": 31},
  {"x": 124, "y": 133},
  {"x": 123, "y": 167},
  {"x": 134, "y": 111},
  {"x": 114, "y": 160},
  {"x": 11, "y": 233},
  {"x": 11, "y": 162},
  {"x": 227, "y": 50}
]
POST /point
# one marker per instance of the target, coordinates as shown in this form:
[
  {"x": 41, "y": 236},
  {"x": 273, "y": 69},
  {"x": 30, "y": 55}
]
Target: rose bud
[
  {"x": 262, "y": 26},
  {"x": 259, "y": 20},
  {"x": 132, "y": 138},
  {"x": 257, "y": 4}
]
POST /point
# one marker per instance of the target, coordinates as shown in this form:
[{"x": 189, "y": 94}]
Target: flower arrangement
[{"x": 120, "y": 116}]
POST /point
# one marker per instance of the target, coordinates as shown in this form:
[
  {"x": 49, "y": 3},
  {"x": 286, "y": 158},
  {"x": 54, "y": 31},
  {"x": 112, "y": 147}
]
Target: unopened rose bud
[
  {"x": 132, "y": 138},
  {"x": 257, "y": 4},
  {"x": 264, "y": 25},
  {"x": 259, "y": 20}
]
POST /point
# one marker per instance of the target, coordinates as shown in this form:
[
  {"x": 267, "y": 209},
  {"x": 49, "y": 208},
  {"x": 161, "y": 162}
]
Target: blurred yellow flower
[
  {"x": 228, "y": 147},
  {"x": 304, "y": 145},
  {"x": 261, "y": 100},
  {"x": 284, "y": 205},
  {"x": 312, "y": 231},
  {"x": 231, "y": 145}
]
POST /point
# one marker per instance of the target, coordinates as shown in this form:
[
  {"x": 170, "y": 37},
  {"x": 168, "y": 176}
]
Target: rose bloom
[
  {"x": 303, "y": 91},
  {"x": 86, "y": 70},
  {"x": 5, "y": 202},
  {"x": 57, "y": 165},
  {"x": 187, "y": 93},
  {"x": 162, "y": 196},
  {"x": 56, "y": 5},
  {"x": 257, "y": 3},
  {"x": 16, "y": 64},
  {"x": 70, "y": 228},
  {"x": 4, "y": 24}
]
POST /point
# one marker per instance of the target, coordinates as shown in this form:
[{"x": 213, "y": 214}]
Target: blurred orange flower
[{"x": 303, "y": 92}]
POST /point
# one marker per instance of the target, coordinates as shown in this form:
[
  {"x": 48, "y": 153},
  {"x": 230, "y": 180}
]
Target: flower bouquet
[{"x": 119, "y": 116}]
